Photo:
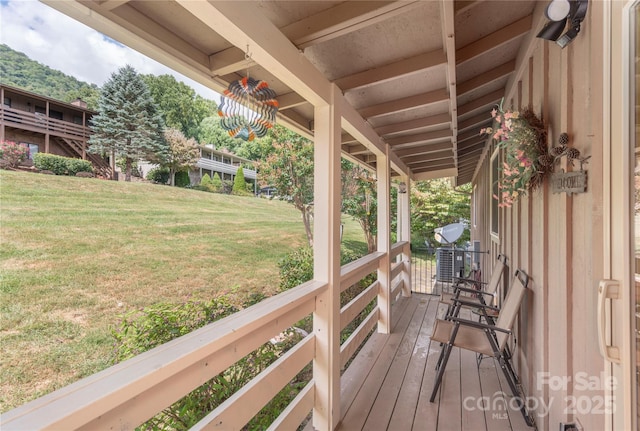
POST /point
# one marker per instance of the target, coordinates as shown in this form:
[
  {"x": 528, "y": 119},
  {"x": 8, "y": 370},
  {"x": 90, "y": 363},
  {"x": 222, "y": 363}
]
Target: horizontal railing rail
[
  {"x": 226, "y": 168},
  {"x": 130, "y": 393},
  {"x": 135, "y": 390},
  {"x": 41, "y": 123}
]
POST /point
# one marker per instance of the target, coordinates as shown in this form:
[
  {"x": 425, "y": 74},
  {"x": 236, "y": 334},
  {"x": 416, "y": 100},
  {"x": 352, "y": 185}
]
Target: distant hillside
[{"x": 18, "y": 70}]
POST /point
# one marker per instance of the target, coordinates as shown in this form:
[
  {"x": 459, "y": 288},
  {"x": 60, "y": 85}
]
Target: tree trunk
[
  {"x": 127, "y": 176},
  {"x": 306, "y": 215},
  {"x": 172, "y": 177}
]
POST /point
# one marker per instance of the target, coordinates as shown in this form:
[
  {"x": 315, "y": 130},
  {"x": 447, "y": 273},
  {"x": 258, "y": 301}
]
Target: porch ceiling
[{"x": 423, "y": 75}]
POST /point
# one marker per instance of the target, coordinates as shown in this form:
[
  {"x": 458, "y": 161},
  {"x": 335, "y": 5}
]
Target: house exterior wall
[{"x": 557, "y": 238}]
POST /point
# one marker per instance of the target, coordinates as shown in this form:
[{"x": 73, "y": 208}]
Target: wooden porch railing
[
  {"x": 127, "y": 394},
  {"x": 41, "y": 123}
]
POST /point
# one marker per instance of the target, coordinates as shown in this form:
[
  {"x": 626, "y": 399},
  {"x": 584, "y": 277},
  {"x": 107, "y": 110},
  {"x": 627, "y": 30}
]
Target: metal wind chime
[{"x": 248, "y": 107}]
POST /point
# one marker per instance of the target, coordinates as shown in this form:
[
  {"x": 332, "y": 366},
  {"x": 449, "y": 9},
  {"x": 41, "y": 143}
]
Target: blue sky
[{"x": 52, "y": 38}]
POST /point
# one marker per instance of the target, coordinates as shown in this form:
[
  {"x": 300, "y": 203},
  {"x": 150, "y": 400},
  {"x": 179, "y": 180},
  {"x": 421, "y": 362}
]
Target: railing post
[
  {"x": 404, "y": 233},
  {"x": 383, "y": 171},
  {"x": 326, "y": 262}
]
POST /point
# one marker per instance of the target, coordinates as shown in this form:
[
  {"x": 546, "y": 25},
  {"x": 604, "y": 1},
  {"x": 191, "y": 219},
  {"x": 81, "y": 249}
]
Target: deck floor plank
[
  {"x": 384, "y": 404},
  {"x": 388, "y": 385},
  {"x": 358, "y": 411},
  {"x": 407, "y": 402}
]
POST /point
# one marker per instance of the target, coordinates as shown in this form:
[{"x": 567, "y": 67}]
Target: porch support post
[
  {"x": 404, "y": 234},
  {"x": 326, "y": 262},
  {"x": 383, "y": 171}
]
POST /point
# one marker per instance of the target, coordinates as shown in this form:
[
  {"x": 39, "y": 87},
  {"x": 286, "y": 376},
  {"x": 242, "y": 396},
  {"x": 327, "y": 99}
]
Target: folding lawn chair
[
  {"x": 465, "y": 289},
  {"x": 485, "y": 339}
]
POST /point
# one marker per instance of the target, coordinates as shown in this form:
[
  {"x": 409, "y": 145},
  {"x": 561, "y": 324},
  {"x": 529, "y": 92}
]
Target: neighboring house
[
  {"x": 213, "y": 161},
  {"x": 225, "y": 164},
  {"x": 47, "y": 125}
]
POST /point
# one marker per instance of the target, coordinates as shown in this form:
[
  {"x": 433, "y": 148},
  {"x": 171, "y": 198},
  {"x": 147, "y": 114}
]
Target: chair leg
[
  {"x": 514, "y": 384},
  {"x": 446, "y": 350}
]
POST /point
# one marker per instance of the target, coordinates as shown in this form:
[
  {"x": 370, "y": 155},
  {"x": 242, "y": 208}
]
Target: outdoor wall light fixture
[
  {"x": 402, "y": 187},
  {"x": 559, "y": 13}
]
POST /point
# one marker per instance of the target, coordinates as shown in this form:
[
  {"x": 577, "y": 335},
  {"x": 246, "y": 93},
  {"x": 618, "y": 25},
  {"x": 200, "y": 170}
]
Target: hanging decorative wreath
[{"x": 248, "y": 109}]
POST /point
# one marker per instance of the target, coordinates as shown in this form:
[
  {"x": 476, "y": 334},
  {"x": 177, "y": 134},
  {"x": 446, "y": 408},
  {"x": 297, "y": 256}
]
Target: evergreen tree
[
  {"x": 239, "y": 183},
  {"x": 216, "y": 183},
  {"x": 128, "y": 124}
]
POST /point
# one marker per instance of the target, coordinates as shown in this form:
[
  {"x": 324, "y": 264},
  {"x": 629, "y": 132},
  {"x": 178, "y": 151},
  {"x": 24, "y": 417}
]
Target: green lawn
[{"x": 76, "y": 254}]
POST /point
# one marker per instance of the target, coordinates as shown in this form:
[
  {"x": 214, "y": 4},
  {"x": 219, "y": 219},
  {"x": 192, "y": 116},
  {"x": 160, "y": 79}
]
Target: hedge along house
[{"x": 404, "y": 88}]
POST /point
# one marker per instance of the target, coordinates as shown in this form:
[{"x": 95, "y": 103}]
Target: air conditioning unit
[{"x": 449, "y": 264}]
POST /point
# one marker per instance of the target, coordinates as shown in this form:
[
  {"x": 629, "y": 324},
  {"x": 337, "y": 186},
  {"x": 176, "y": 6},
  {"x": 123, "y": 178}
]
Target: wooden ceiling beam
[
  {"x": 290, "y": 100},
  {"x": 435, "y": 136},
  {"x": 449, "y": 42},
  {"x": 342, "y": 19},
  {"x": 419, "y": 123},
  {"x": 432, "y": 157},
  {"x": 479, "y": 120},
  {"x": 112, "y": 4},
  {"x": 466, "y": 136},
  {"x": 229, "y": 61},
  {"x": 423, "y": 149},
  {"x": 484, "y": 101},
  {"x": 462, "y": 6},
  {"x": 494, "y": 40},
  {"x": 487, "y": 77},
  {"x": 405, "y": 104},
  {"x": 438, "y": 164},
  {"x": 392, "y": 70},
  {"x": 428, "y": 174}
]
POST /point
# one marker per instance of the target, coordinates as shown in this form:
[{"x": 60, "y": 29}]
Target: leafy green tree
[
  {"x": 290, "y": 170},
  {"x": 179, "y": 105},
  {"x": 359, "y": 200},
  {"x": 239, "y": 183},
  {"x": 183, "y": 153},
  {"x": 211, "y": 132},
  {"x": 128, "y": 124},
  {"x": 436, "y": 203}
]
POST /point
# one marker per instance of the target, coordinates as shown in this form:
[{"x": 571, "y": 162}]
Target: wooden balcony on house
[
  {"x": 385, "y": 387},
  {"x": 40, "y": 123}
]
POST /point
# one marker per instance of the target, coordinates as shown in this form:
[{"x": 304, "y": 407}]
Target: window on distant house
[
  {"x": 55, "y": 114},
  {"x": 41, "y": 110},
  {"x": 77, "y": 119},
  {"x": 7, "y": 102},
  {"x": 32, "y": 149}
]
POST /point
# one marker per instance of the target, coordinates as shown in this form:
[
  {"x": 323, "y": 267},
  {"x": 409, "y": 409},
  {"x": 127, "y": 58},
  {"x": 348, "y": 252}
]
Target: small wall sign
[{"x": 569, "y": 182}]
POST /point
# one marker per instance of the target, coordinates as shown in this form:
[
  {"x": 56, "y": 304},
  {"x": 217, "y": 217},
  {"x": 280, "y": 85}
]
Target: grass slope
[{"x": 76, "y": 254}]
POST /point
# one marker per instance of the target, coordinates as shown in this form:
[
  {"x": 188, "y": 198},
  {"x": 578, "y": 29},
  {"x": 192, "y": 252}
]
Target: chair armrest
[
  {"x": 474, "y": 304},
  {"x": 479, "y": 325},
  {"x": 466, "y": 289},
  {"x": 468, "y": 280}
]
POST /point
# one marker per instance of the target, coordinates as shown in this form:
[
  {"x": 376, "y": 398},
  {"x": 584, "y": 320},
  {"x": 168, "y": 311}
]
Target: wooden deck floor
[{"x": 390, "y": 381}]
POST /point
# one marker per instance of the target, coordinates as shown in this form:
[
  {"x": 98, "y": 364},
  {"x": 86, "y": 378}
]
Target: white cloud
[{"x": 62, "y": 43}]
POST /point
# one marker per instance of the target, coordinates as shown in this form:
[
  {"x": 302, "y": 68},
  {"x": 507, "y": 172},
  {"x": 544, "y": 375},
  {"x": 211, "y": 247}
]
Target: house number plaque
[{"x": 569, "y": 182}]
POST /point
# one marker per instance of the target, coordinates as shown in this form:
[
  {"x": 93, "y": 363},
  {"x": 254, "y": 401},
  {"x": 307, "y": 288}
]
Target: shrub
[
  {"x": 159, "y": 175},
  {"x": 60, "y": 165},
  {"x": 217, "y": 183},
  {"x": 206, "y": 184},
  {"x": 158, "y": 324},
  {"x": 11, "y": 154},
  {"x": 240, "y": 184},
  {"x": 182, "y": 179},
  {"x": 75, "y": 166}
]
